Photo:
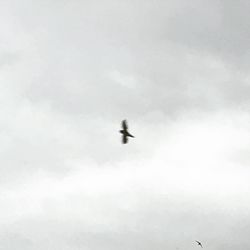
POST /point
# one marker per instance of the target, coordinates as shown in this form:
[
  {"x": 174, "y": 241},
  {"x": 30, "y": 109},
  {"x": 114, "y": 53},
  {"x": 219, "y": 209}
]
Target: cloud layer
[{"x": 70, "y": 71}]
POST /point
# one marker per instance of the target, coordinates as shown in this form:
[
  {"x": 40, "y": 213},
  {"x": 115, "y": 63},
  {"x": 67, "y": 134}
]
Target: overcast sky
[{"x": 71, "y": 70}]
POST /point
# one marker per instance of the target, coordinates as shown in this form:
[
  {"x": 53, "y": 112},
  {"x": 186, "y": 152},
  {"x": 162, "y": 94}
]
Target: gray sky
[{"x": 70, "y": 71}]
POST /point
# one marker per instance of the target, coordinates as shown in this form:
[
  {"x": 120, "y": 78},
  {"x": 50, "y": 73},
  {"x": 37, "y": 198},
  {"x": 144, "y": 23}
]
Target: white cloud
[
  {"x": 189, "y": 176},
  {"x": 124, "y": 80}
]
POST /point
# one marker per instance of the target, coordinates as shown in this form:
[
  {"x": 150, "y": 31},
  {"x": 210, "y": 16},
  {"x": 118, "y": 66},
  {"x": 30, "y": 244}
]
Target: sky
[{"x": 71, "y": 71}]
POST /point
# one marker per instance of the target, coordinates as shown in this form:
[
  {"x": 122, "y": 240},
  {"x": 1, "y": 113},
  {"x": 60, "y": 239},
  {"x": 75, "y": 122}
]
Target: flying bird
[
  {"x": 124, "y": 132},
  {"x": 199, "y": 243}
]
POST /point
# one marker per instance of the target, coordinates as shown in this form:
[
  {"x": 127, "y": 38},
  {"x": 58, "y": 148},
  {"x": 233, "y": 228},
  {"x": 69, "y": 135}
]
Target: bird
[
  {"x": 199, "y": 243},
  {"x": 124, "y": 132}
]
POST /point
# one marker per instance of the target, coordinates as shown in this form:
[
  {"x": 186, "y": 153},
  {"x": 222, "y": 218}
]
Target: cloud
[
  {"x": 187, "y": 189},
  {"x": 71, "y": 71},
  {"x": 217, "y": 27},
  {"x": 178, "y": 53}
]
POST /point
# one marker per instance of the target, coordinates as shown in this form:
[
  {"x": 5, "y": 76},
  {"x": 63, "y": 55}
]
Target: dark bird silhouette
[
  {"x": 124, "y": 132},
  {"x": 199, "y": 244}
]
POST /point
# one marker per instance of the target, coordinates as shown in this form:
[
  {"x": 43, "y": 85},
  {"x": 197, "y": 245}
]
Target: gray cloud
[
  {"x": 70, "y": 71},
  {"x": 84, "y": 45},
  {"x": 220, "y": 27}
]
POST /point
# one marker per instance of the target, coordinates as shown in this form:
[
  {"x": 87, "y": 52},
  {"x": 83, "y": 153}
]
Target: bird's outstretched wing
[
  {"x": 124, "y": 125},
  {"x": 199, "y": 243},
  {"x": 124, "y": 139}
]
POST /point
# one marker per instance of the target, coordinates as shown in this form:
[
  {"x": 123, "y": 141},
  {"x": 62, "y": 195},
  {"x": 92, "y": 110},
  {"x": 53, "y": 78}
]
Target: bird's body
[
  {"x": 199, "y": 243},
  {"x": 124, "y": 132}
]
